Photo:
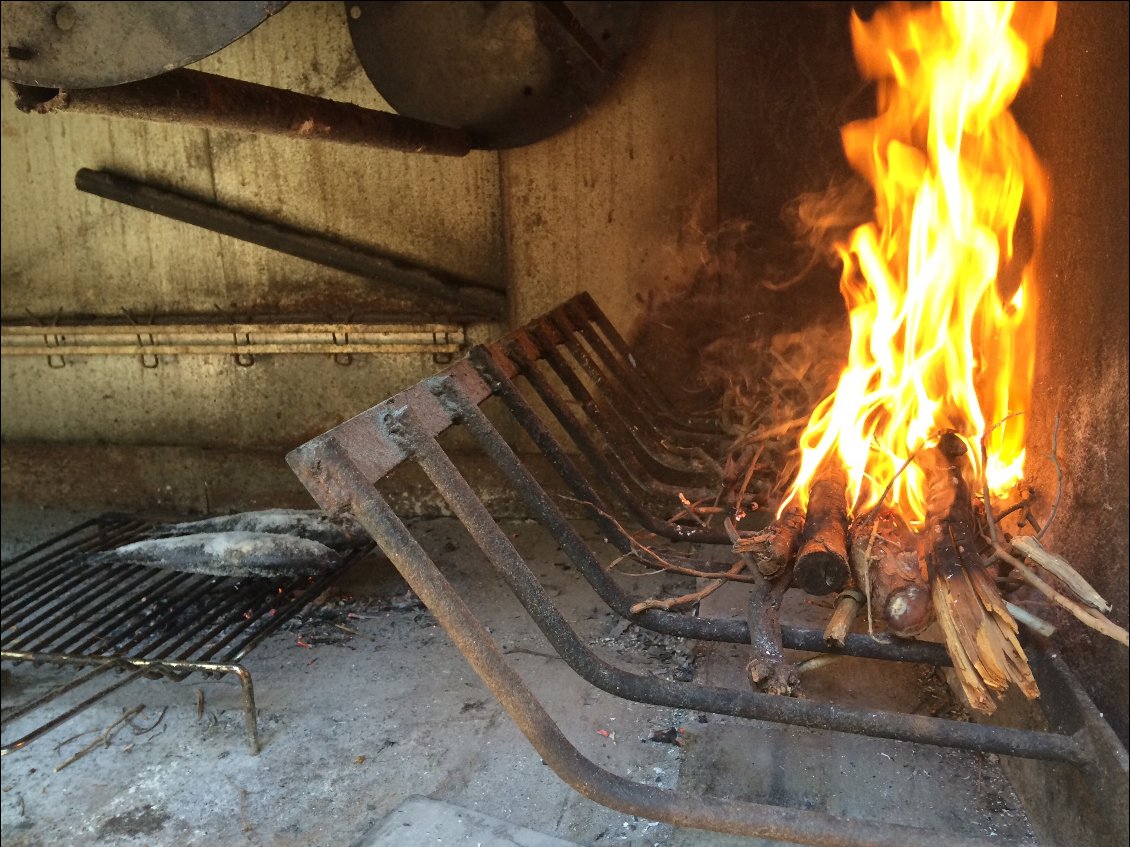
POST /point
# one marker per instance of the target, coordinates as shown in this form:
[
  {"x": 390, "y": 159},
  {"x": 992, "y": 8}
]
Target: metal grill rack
[
  {"x": 637, "y": 452},
  {"x": 139, "y": 620}
]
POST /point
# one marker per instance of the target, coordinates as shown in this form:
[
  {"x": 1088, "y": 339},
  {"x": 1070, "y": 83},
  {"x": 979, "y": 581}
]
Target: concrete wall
[{"x": 1076, "y": 110}]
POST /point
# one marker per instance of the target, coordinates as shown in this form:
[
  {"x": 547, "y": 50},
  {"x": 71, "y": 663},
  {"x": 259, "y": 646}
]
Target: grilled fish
[
  {"x": 226, "y": 554},
  {"x": 340, "y": 531}
]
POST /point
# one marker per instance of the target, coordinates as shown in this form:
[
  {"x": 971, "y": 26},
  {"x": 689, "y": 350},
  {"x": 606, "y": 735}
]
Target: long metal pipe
[
  {"x": 350, "y": 258},
  {"x": 218, "y": 102}
]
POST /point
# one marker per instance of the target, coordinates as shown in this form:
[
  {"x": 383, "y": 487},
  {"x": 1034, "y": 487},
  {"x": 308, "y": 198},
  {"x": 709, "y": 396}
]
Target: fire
[{"x": 938, "y": 286}]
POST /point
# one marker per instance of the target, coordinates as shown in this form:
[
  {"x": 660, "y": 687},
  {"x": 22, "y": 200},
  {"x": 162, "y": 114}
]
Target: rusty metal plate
[
  {"x": 509, "y": 73},
  {"x": 95, "y": 44}
]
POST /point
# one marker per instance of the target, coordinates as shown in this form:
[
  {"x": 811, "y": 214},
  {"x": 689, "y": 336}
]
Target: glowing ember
[{"x": 940, "y": 302}]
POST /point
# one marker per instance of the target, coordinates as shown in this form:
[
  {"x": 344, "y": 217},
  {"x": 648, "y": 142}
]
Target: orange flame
[{"x": 940, "y": 299}]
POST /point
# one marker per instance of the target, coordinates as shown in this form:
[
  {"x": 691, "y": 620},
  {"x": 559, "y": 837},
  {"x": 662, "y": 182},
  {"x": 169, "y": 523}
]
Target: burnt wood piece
[
  {"x": 771, "y": 550},
  {"x": 889, "y": 571},
  {"x": 768, "y": 670},
  {"x": 979, "y": 631},
  {"x": 822, "y": 560}
]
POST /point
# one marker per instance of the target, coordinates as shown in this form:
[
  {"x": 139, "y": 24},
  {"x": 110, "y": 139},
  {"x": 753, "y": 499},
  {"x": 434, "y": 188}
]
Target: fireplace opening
[{"x": 618, "y": 446}]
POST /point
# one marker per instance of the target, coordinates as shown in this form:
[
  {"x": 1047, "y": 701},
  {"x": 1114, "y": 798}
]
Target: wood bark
[
  {"x": 887, "y": 569},
  {"x": 768, "y": 669},
  {"x": 979, "y": 631},
  {"x": 771, "y": 550},
  {"x": 822, "y": 560}
]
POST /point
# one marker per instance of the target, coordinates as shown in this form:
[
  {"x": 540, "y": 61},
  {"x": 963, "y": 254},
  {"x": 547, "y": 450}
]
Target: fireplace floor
[{"x": 359, "y": 722}]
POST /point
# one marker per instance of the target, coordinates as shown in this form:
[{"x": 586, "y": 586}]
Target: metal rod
[
  {"x": 217, "y": 102},
  {"x": 637, "y": 379},
  {"x": 336, "y": 483},
  {"x": 367, "y": 262},
  {"x": 705, "y": 430},
  {"x": 592, "y": 453},
  {"x": 671, "y": 439},
  {"x": 615, "y": 432}
]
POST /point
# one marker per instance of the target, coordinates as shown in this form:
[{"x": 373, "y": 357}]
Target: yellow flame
[{"x": 940, "y": 302}]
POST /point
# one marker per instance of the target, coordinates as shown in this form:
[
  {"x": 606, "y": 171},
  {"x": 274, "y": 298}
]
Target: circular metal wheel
[
  {"x": 96, "y": 44},
  {"x": 509, "y": 73}
]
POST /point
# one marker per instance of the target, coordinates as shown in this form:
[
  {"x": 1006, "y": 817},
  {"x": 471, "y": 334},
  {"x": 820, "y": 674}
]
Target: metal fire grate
[
  {"x": 572, "y": 359},
  {"x": 140, "y": 620}
]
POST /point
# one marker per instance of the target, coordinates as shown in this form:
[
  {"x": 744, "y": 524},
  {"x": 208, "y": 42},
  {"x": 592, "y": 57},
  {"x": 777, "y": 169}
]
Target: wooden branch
[
  {"x": 980, "y": 633},
  {"x": 884, "y": 559},
  {"x": 844, "y": 614},
  {"x": 1030, "y": 547},
  {"x": 687, "y": 599},
  {"x": 822, "y": 560},
  {"x": 771, "y": 550},
  {"x": 768, "y": 669},
  {"x": 1085, "y": 615}
]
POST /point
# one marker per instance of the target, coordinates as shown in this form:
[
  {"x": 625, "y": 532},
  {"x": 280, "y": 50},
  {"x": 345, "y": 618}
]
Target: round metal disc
[
  {"x": 95, "y": 44},
  {"x": 510, "y": 73}
]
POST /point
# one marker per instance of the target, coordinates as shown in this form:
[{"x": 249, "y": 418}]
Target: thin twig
[
  {"x": 1058, "y": 479},
  {"x": 879, "y": 505},
  {"x": 867, "y": 574},
  {"x": 653, "y": 558},
  {"x": 103, "y": 739},
  {"x": 993, "y": 534},
  {"x": 1091, "y": 618},
  {"x": 688, "y": 507},
  {"x": 738, "y": 511},
  {"x": 686, "y": 599},
  {"x": 141, "y": 730}
]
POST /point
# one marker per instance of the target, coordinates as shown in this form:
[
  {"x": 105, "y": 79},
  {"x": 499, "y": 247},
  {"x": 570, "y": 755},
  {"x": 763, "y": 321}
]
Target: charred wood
[
  {"x": 980, "y": 633},
  {"x": 771, "y": 550},
  {"x": 822, "y": 560},
  {"x": 768, "y": 669}
]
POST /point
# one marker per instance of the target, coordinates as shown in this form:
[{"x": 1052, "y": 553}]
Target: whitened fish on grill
[
  {"x": 340, "y": 531},
  {"x": 225, "y": 554}
]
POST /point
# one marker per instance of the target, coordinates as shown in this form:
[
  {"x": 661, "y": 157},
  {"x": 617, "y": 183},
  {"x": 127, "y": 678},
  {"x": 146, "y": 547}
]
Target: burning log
[
  {"x": 822, "y": 561},
  {"x": 886, "y": 566},
  {"x": 771, "y": 550},
  {"x": 768, "y": 669},
  {"x": 979, "y": 631}
]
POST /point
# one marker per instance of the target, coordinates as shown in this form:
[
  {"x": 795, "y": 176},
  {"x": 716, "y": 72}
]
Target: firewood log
[
  {"x": 887, "y": 569},
  {"x": 771, "y": 550},
  {"x": 822, "y": 560},
  {"x": 979, "y": 631}
]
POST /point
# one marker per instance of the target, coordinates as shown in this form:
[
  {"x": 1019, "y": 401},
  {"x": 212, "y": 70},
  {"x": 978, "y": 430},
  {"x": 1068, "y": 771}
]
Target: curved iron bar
[
  {"x": 623, "y": 363},
  {"x": 482, "y": 360},
  {"x": 337, "y": 484},
  {"x": 651, "y": 471}
]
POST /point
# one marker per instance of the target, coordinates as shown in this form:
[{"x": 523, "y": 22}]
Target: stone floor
[{"x": 361, "y": 722}]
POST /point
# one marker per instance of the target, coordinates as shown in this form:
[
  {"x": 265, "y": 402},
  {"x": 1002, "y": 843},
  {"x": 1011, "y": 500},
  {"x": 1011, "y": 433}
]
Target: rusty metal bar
[
  {"x": 336, "y": 484},
  {"x": 481, "y": 300},
  {"x": 671, "y": 437},
  {"x": 611, "y": 427},
  {"x": 701, "y": 429},
  {"x": 484, "y": 361},
  {"x": 217, "y": 102},
  {"x": 622, "y": 361}
]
